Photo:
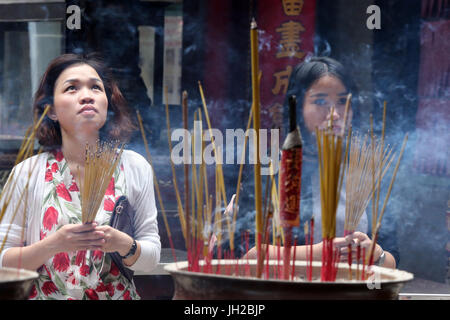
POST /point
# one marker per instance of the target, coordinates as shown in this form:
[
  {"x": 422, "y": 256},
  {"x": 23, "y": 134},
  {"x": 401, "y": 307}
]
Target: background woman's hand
[
  {"x": 75, "y": 237},
  {"x": 353, "y": 239}
]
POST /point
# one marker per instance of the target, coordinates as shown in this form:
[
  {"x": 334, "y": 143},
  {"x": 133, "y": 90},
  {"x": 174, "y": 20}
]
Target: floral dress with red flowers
[{"x": 80, "y": 275}]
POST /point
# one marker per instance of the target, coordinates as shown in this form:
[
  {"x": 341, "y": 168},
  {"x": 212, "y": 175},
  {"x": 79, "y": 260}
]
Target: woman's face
[
  {"x": 80, "y": 104},
  {"x": 326, "y": 94}
]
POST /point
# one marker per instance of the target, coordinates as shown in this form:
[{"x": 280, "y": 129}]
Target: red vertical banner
[
  {"x": 216, "y": 45},
  {"x": 433, "y": 119},
  {"x": 286, "y": 31}
]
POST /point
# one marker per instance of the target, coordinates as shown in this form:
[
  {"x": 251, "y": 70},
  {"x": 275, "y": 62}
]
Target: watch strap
[
  {"x": 132, "y": 250},
  {"x": 381, "y": 259}
]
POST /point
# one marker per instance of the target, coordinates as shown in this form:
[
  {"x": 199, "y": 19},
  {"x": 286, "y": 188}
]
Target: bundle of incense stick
[
  {"x": 100, "y": 163},
  {"x": 376, "y": 215},
  {"x": 329, "y": 146},
  {"x": 359, "y": 170}
]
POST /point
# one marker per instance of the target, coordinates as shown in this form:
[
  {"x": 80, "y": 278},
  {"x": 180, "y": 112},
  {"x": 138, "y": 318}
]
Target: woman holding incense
[
  {"x": 47, "y": 233},
  {"x": 321, "y": 86}
]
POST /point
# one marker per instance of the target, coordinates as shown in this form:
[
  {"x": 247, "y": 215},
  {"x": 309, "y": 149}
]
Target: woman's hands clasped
[
  {"x": 354, "y": 239},
  {"x": 76, "y": 237},
  {"x": 90, "y": 236},
  {"x": 115, "y": 240}
]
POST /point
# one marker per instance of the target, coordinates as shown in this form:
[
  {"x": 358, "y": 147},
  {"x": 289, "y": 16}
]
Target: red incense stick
[
  {"x": 293, "y": 259},
  {"x": 311, "y": 242},
  {"x": 364, "y": 263},
  {"x": 349, "y": 261},
  {"x": 307, "y": 249},
  {"x": 358, "y": 256}
]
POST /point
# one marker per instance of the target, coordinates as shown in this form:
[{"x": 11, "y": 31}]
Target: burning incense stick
[
  {"x": 376, "y": 218},
  {"x": 216, "y": 151},
  {"x": 238, "y": 186},
  {"x": 156, "y": 184},
  {"x": 174, "y": 178},
  {"x": 184, "y": 104},
  {"x": 256, "y": 126},
  {"x": 380, "y": 216}
]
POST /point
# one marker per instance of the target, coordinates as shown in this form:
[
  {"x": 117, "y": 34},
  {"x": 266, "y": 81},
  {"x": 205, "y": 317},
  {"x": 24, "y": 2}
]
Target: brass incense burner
[
  {"x": 235, "y": 281},
  {"x": 16, "y": 284}
]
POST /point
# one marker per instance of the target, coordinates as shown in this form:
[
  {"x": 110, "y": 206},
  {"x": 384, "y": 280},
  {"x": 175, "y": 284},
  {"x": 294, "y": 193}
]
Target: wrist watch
[
  {"x": 132, "y": 250},
  {"x": 381, "y": 259}
]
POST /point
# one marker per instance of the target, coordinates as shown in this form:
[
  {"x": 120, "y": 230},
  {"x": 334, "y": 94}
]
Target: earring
[{"x": 49, "y": 114}]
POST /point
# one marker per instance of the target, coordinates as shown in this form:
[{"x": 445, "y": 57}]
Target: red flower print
[
  {"x": 110, "y": 289},
  {"x": 120, "y": 287},
  {"x": 49, "y": 287},
  {"x": 62, "y": 192},
  {"x": 73, "y": 187},
  {"x": 47, "y": 165},
  {"x": 72, "y": 279},
  {"x": 97, "y": 254},
  {"x": 50, "y": 218},
  {"x": 110, "y": 189},
  {"x": 81, "y": 258},
  {"x": 108, "y": 205},
  {"x": 126, "y": 295},
  {"x": 59, "y": 156},
  {"x": 48, "y": 176},
  {"x": 114, "y": 270},
  {"x": 54, "y": 167},
  {"x": 84, "y": 270},
  {"x": 101, "y": 287},
  {"x": 61, "y": 261},
  {"x": 43, "y": 235},
  {"x": 33, "y": 292},
  {"x": 91, "y": 294}
]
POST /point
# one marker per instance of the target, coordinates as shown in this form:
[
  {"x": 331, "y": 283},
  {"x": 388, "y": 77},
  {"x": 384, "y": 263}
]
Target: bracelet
[
  {"x": 132, "y": 250},
  {"x": 381, "y": 259}
]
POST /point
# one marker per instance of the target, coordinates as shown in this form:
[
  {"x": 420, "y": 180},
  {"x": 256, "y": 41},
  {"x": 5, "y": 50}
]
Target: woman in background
[{"x": 321, "y": 86}]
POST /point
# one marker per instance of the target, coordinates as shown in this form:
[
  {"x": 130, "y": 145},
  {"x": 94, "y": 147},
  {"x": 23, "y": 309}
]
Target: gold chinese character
[
  {"x": 282, "y": 80},
  {"x": 276, "y": 113},
  {"x": 292, "y": 203},
  {"x": 290, "y": 40},
  {"x": 292, "y": 185},
  {"x": 292, "y": 7}
]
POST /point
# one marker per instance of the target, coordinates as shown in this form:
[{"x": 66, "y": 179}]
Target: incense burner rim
[
  {"x": 180, "y": 267},
  {"x": 24, "y": 274}
]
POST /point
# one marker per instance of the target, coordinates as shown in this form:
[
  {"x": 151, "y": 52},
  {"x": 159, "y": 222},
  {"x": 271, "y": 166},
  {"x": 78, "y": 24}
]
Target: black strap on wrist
[{"x": 132, "y": 250}]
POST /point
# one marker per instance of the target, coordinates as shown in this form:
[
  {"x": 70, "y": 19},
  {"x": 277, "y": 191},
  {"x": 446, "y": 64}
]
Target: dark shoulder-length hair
[
  {"x": 303, "y": 76},
  {"x": 118, "y": 125}
]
